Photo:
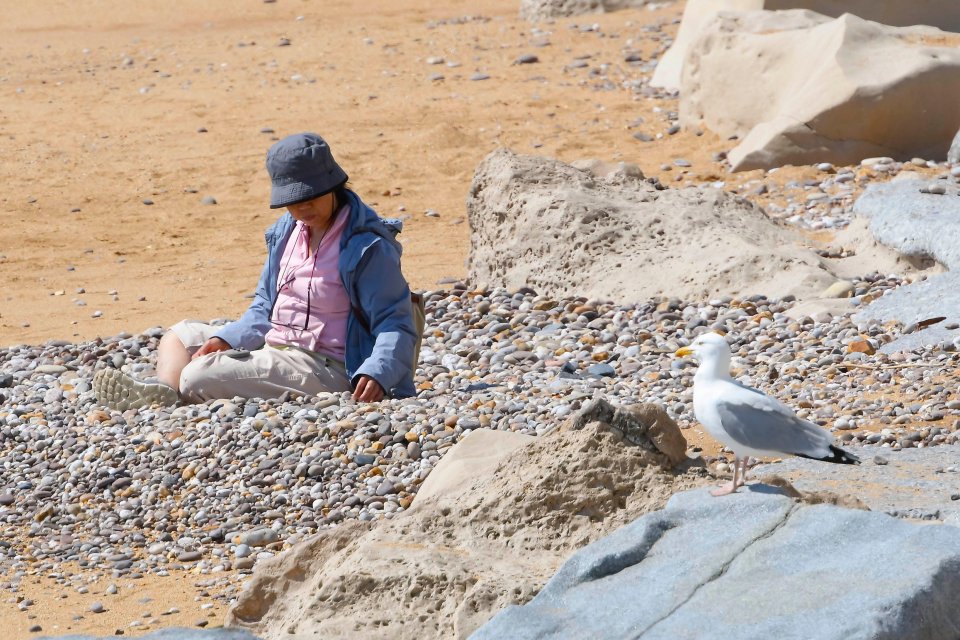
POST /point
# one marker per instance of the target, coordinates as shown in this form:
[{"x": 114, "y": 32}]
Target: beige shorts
[{"x": 264, "y": 373}]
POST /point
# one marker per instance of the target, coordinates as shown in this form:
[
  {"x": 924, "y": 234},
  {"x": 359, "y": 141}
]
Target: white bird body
[{"x": 747, "y": 421}]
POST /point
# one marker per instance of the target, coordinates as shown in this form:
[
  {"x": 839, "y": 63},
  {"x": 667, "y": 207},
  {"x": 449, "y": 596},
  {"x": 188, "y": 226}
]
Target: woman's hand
[
  {"x": 211, "y": 346},
  {"x": 368, "y": 390}
]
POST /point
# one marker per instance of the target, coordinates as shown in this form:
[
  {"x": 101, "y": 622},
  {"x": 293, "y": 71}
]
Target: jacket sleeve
[
  {"x": 248, "y": 331},
  {"x": 384, "y": 299}
]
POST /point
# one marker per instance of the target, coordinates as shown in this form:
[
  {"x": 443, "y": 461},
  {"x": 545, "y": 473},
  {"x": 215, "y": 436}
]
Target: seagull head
[{"x": 713, "y": 352}]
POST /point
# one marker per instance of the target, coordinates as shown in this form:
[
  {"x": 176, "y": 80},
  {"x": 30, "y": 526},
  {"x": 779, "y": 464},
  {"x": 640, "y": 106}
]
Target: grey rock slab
[
  {"x": 924, "y": 226},
  {"x": 174, "y": 633},
  {"x": 914, "y": 483},
  {"x": 751, "y": 565},
  {"x": 914, "y": 223},
  {"x": 937, "y": 296}
]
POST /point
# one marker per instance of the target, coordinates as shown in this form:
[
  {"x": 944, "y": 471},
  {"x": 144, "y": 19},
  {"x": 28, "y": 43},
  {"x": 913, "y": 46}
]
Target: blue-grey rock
[
  {"x": 914, "y": 223},
  {"x": 174, "y": 633},
  {"x": 6, "y": 380},
  {"x": 923, "y": 226},
  {"x": 936, "y": 297},
  {"x": 751, "y": 565},
  {"x": 601, "y": 370},
  {"x": 909, "y": 483}
]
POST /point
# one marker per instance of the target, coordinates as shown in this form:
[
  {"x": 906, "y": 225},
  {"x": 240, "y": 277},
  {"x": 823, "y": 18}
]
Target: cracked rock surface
[
  {"x": 903, "y": 214},
  {"x": 751, "y": 565}
]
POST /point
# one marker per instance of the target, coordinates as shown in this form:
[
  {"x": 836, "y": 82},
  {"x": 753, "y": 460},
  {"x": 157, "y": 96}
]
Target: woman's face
[{"x": 315, "y": 213}]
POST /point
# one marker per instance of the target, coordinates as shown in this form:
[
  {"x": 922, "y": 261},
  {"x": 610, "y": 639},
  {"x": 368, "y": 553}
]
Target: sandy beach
[
  {"x": 107, "y": 107},
  {"x": 133, "y": 139}
]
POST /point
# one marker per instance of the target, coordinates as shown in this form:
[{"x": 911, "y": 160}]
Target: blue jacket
[{"x": 370, "y": 271}]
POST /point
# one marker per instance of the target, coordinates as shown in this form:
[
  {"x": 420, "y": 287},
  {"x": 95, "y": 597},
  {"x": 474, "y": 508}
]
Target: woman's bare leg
[{"x": 172, "y": 357}]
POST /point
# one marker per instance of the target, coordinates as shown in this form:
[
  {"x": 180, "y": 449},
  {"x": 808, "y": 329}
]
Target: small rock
[
  {"x": 839, "y": 289},
  {"x": 861, "y": 346},
  {"x": 258, "y": 537},
  {"x": 934, "y": 189},
  {"x": 97, "y": 607}
]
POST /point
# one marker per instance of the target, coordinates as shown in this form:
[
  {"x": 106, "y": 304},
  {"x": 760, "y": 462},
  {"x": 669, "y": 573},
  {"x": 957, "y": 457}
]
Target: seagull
[{"x": 747, "y": 421}]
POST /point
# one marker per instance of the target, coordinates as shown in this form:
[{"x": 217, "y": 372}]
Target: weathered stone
[
  {"x": 541, "y": 223},
  {"x": 821, "y": 89},
  {"x": 839, "y": 289},
  {"x": 944, "y": 14},
  {"x": 546, "y": 9},
  {"x": 491, "y": 522},
  {"x": 751, "y": 565},
  {"x": 911, "y": 483},
  {"x": 922, "y": 227},
  {"x": 645, "y": 425},
  {"x": 919, "y": 225}
]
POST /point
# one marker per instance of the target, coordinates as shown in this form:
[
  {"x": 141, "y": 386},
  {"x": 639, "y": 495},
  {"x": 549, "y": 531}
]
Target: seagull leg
[
  {"x": 743, "y": 470},
  {"x": 729, "y": 487}
]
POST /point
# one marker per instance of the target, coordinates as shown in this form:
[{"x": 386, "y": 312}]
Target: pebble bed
[{"x": 217, "y": 486}]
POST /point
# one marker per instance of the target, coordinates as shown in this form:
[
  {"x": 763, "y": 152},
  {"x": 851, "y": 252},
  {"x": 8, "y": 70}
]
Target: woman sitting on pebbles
[{"x": 331, "y": 311}]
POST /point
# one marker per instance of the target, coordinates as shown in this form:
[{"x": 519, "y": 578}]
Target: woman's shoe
[{"x": 117, "y": 390}]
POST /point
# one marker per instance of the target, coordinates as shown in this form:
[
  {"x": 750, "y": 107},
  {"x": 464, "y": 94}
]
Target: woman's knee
[
  {"x": 194, "y": 380},
  {"x": 170, "y": 340}
]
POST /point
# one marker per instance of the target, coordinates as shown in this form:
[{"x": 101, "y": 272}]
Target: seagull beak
[{"x": 683, "y": 352}]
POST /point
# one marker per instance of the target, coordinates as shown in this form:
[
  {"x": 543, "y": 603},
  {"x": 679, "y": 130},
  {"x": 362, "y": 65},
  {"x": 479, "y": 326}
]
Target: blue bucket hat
[{"x": 301, "y": 168}]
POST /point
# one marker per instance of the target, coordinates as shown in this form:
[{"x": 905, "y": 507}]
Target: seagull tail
[{"x": 837, "y": 456}]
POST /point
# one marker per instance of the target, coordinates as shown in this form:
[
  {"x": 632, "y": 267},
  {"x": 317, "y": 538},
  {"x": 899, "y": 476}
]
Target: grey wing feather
[{"x": 764, "y": 424}]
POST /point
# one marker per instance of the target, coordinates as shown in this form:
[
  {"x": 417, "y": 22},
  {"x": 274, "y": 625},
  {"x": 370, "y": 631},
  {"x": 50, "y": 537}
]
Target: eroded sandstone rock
[
  {"x": 537, "y": 222},
  {"x": 943, "y": 14},
  {"x": 810, "y": 89},
  {"x": 490, "y": 524}
]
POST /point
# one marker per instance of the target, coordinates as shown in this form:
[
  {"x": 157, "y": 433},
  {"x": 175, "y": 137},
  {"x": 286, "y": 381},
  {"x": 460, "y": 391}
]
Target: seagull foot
[{"x": 724, "y": 489}]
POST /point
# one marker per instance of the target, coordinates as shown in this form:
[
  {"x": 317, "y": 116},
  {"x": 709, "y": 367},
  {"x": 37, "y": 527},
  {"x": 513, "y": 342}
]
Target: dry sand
[
  {"x": 152, "y": 602},
  {"x": 103, "y": 103},
  {"x": 106, "y": 104}
]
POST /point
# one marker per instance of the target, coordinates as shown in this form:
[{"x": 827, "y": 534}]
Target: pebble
[
  {"x": 263, "y": 472},
  {"x": 479, "y": 76},
  {"x": 97, "y": 607},
  {"x": 934, "y": 189},
  {"x": 527, "y": 58},
  {"x": 208, "y": 200}
]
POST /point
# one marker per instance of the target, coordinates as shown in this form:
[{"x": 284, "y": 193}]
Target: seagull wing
[{"x": 762, "y": 423}]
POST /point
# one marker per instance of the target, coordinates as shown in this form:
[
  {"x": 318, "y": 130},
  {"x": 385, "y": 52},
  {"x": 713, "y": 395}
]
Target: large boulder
[
  {"x": 537, "y": 222},
  {"x": 903, "y": 214},
  {"x": 535, "y": 10},
  {"x": 488, "y": 527},
  {"x": 811, "y": 89},
  {"x": 943, "y": 14},
  {"x": 751, "y": 565}
]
